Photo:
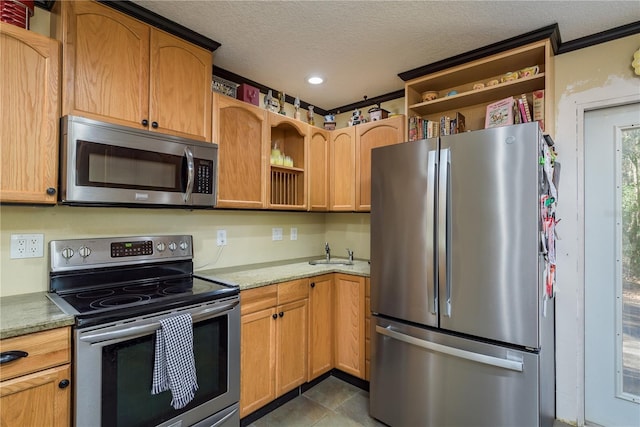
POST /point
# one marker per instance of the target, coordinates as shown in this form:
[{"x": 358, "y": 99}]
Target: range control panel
[{"x": 113, "y": 251}]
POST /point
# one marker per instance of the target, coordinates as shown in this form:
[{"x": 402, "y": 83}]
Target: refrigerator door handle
[
  {"x": 444, "y": 231},
  {"x": 513, "y": 365},
  {"x": 431, "y": 194}
]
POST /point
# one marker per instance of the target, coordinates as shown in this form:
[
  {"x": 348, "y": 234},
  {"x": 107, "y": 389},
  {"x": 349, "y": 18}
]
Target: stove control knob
[
  {"x": 84, "y": 251},
  {"x": 173, "y": 246},
  {"x": 161, "y": 246},
  {"x": 67, "y": 253},
  {"x": 183, "y": 246}
]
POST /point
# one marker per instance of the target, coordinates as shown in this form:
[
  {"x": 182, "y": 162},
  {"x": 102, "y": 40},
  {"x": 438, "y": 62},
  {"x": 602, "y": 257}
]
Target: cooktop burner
[{"x": 107, "y": 279}]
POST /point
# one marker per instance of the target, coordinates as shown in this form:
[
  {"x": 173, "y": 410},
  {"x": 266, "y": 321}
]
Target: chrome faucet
[
  {"x": 327, "y": 251},
  {"x": 350, "y": 254}
]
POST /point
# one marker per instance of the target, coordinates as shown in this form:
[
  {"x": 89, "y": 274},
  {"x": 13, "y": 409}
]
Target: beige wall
[{"x": 598, "y": 74}]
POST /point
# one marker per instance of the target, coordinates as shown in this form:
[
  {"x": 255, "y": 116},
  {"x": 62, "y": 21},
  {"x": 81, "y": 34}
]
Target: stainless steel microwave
[{"x": 106, "y": 164}]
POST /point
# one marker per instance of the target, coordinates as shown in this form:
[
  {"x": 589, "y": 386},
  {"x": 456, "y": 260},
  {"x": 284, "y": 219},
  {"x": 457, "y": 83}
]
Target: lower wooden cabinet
[
  {"x": 273, "y": 342},
  {"x": 367, "y": 328},
  {"x": 36, "y": 390},
  {"x": 350, "y": 324}
]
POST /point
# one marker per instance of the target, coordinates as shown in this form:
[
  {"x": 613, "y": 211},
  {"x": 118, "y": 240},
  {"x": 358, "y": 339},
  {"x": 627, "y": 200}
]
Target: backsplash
[{"x": 249, "y": 235}]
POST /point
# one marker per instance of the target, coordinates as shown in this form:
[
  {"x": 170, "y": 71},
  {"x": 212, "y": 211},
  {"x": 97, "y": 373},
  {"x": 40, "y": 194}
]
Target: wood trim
[{"x": 601, "y": 37}]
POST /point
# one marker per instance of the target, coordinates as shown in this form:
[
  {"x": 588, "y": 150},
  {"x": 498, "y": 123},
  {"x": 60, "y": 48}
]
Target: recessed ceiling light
[{"x": 315, "y": 80}]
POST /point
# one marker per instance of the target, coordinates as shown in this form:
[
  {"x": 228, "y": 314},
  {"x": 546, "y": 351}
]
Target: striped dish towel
[{"x": 174, "y": 367}]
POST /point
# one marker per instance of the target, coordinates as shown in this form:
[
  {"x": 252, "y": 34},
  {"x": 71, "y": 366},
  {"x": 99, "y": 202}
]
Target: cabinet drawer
[
  {"x": 46, "y": 349},
  {"x": 257, "y": 299},
  {"x": 293, "y": 291}
]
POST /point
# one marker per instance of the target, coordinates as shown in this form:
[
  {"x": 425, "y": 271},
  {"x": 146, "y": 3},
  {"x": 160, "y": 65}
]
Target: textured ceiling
[{"x": 361, "y": 46}]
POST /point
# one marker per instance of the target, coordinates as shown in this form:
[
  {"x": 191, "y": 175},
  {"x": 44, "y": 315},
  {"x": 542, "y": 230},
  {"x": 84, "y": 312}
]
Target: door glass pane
[{"x": 630, "y": 230}]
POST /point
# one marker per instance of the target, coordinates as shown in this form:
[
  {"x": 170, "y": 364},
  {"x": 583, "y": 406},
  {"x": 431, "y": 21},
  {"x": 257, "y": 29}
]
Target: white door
[{"x": 612, "y": 266}]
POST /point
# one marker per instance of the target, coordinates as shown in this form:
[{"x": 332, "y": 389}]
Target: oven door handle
[{"x": 136, "y": 331}]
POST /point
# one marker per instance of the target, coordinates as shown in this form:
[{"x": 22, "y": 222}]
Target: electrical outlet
[
  {"x": 293, "y": 233},
  {"x": 27, "y": 246},
  {"x": 276, "y": 234},
  {"x": 222, "y": 238}
]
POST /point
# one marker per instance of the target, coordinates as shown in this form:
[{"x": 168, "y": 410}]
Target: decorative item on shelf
[
  {"x": 452, "y": 92},
  {"x": 329, "y": 122},
  {"x": 492, "y": 82},
  {"x": 288, "y": 161},
  {"x": 636, "y": 62},
  {"x": 281, "y": 101},
  {"x": 296, "y": 105},
  {"x": 528, "y": 71},
  {"x": 223, "y": 86},
  {"x": 478, "y": 86},
  {"x": 249, "y": 94},
  {"x": 356, "y": 118},
  {"x": 310, "y": 116},
  {"x": 17, "y": 13},
  {"x": 268, "y": 97},
  {"x": 499, "y": 113},
  {"x": 508, "y": 77},
  {"x": 429, "y": 95},
  {"x": 277, "y": 157},
  {"x": 377, "y": 113}
]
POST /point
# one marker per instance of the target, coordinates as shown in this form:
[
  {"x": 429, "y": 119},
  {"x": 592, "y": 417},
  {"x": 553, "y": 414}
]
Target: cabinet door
[
  {"x": 106, "y": 64},
  {"x": 320, "y": 325},
  {"x": 37, "y": 399},
  {"x": 291, "y": 368},
  {"x": 367, "y": 328},
  {"x": 342, "y": 152},
  {"x": 349, "y": 324},
  {"x": 29, "y": 82},
  {"x": 257, "y": 360},
  {"x": 369, "y": 136},
  {"x": 180, "y": 87},
  {"x": 318, "y": 169},
  {"x": 242, "y": 160}
]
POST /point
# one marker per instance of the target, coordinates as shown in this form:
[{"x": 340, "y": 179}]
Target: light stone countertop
[
  {"x": 27, "y": 313},
  {"x": 253, "y": 276}
]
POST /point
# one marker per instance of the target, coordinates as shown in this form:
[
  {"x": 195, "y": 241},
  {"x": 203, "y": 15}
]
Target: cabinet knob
[
  {"x": 63, "y": 384},
  {"x": 275, "y": 316},
  {"x": 145, "y": 122},
  {"x": 281, "y": 314},
  {"x": 154, "y": 125},
  {"x": 51, "y": 191},
  {"x": 313, "y": 284}
]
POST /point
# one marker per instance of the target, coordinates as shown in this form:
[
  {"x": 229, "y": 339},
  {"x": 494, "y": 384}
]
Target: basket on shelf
[
  {"x": 16, "y": 12},
  {"x": 224, "y": 86}
]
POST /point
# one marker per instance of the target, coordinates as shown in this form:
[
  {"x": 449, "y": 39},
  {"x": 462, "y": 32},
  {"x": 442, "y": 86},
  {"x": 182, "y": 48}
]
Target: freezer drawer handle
[{"x": 455, "y": 352}]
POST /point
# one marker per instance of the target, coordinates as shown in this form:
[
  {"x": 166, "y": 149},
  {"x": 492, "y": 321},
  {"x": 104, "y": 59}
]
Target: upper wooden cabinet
[
  {"x": 472, "y": 102},
  {"x": 29, "y": 83},
  {"x": 241, "y": 133},
  {"x": 369, "y": 136},
  {"x": 123, "y": 71},
  {"x": 318, "y": 169},
  {"x": 342, "y": 163},
  {"x": 287, "y": 181}
]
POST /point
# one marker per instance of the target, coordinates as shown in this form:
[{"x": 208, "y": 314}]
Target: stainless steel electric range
[{"x": 119, "y": 289}]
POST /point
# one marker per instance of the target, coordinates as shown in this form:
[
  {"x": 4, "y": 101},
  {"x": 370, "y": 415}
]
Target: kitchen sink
[{"x": 331, "y": 262}]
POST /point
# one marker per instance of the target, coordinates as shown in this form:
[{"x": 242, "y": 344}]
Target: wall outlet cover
[
  {"x": 221, "y": 238},
  {"x": 293, "y": 233},
  {"x": 276, "y": 234},
  {"x": 27, "y": 246}
]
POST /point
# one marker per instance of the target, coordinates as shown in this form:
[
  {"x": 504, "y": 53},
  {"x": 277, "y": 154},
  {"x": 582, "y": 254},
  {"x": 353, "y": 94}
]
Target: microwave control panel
[{"x": 203, "y": 183}]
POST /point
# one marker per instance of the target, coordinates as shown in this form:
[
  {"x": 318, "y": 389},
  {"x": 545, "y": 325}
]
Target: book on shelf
[
  {"x": 460, "y": 124},
  {"x": 499, "y": 113},
  {"x": 420, "y": 128},
  {"x": 525, "y": 103},
  {"x": 538, "y": 107}
]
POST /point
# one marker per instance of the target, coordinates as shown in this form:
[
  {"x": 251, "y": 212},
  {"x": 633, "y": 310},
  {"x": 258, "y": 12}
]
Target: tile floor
[{"x": 331, "y": 403}]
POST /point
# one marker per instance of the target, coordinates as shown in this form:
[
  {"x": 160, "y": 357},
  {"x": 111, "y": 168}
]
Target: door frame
[{"x": 581, "y": 109}]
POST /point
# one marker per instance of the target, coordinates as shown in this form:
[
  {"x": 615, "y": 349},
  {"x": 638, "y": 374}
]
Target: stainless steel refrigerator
[{"x": 463, "y": 326}]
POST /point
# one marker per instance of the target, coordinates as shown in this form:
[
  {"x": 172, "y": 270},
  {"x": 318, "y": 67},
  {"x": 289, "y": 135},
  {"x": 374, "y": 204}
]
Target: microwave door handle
[{"x": 190, "y": 173}]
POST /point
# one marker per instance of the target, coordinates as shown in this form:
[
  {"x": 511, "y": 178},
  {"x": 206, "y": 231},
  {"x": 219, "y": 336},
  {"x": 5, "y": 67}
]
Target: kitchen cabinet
[
  {"x": 29, "y": 81},
  {"x": 273, "y": 342},
  {"x": 349, "y": 298},
  {"x": 287, "y": 182},
  {"x": 240, "y": 129},
  {"x": 321, "y": 329},
  {"x": 472, "y": 102},
  {"x": 120, "y": 70},
  {"x": 367, "y": 328},
  {"x": 342, "y": 164},
  {"x": 369, "y": 136},
  {"x": 318, "y": 167},
  {"x": 35, "y": 390}
]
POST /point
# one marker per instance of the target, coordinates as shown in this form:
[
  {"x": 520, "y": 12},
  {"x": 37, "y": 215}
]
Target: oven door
[
  {"x": 103, "y": 163},
  {"x": 114, "y": 370}
]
